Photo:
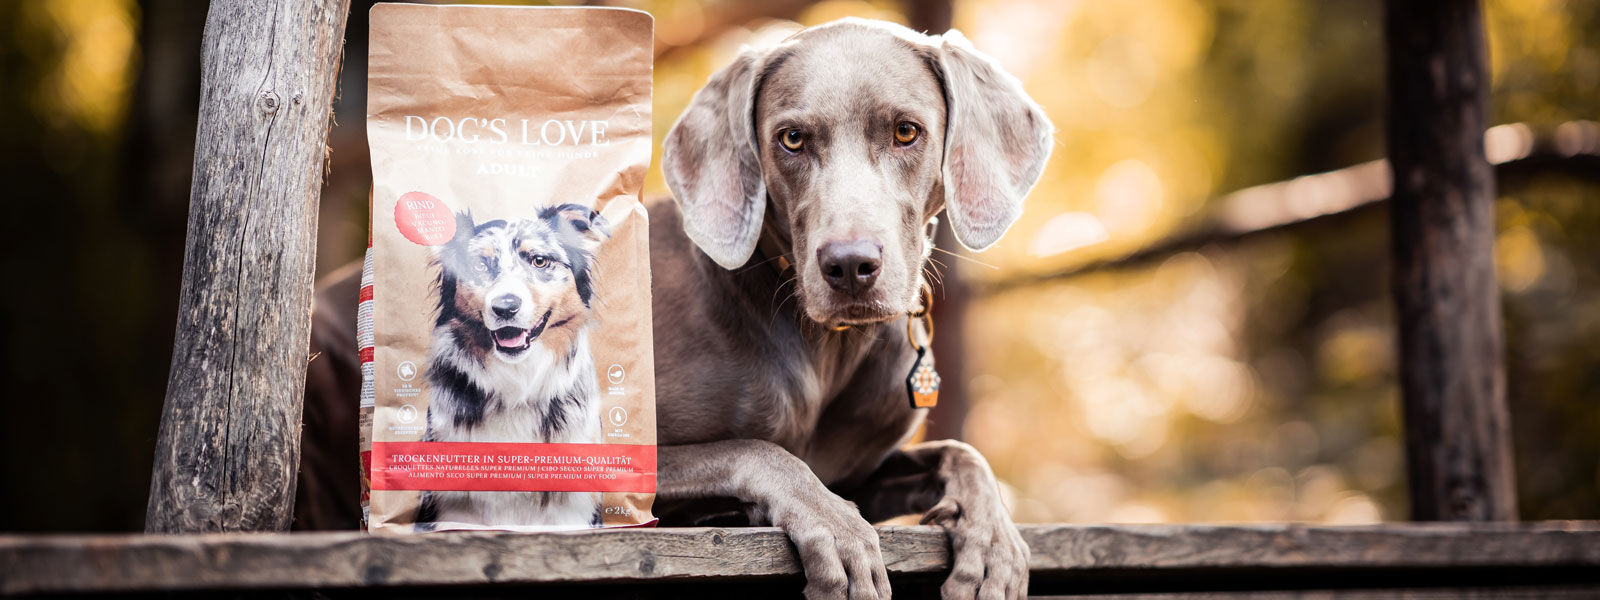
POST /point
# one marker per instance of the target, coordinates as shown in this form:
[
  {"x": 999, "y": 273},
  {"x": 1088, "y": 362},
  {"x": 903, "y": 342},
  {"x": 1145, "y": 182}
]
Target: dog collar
[
  {"x": 922, "y": 383},
  {"x": 773, "y": 254}
]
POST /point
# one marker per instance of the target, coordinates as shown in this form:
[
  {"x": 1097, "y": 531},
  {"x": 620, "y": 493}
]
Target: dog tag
[{"x": 923, "y": 382}]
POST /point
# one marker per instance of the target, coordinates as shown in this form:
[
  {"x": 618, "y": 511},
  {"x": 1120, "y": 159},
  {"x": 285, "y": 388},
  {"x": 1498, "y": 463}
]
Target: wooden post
[
  {"x": 1458, "y": 441},
  {"x": 230, "y": 430}
]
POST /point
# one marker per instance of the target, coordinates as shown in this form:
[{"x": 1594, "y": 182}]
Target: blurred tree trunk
[
  {"x": 719, "y": 18},
  {"x": 1458, "y": 445},
  {"x": 158, "y": 152},
  {"x": 159, "y": 148},
  {"x": 950, "y": 297},
  {"x": 930, "y": 16}
]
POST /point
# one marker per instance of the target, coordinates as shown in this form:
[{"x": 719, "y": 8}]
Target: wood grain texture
[
  {"x": 1452, "y": 374},
  {"x": 1441, "y": 593},
  {"x": 229, "y": 440},
  {"x": 87, "y": 564}
]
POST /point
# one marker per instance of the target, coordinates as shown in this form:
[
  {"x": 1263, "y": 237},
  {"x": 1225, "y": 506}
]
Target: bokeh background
[{"x": 1165, "y": 336}]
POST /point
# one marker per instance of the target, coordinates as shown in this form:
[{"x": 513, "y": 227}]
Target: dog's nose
[
  {"x": 507, "y": 306},
  {"x": 852, "y": 266}
]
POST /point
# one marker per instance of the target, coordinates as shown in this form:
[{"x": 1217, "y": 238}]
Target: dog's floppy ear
[
  {"x": 450, "y": 251},
  {"x": 710, "y": 162},
  {"x": 587, "y": 231},
  {"x": 464, "y": 227},
  {"x": 451, "y": 259},
  {"x": 996, "y": 143},
  {"x": 592, "y": 229}
]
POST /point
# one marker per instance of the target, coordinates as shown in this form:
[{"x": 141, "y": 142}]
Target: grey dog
[{"x": 804, "y": 177}]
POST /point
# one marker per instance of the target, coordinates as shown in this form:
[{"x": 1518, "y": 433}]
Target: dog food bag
[{"x": 505, "y": 316}]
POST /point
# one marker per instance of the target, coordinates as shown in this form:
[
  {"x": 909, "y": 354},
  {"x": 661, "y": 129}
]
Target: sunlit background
[{"x": 1240, "y": 366}]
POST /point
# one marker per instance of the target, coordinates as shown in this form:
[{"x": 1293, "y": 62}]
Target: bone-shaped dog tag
[{"x": 923, "y": 382}]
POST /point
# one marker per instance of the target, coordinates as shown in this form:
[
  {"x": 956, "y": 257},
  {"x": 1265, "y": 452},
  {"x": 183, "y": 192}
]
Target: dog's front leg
[
  {"x": 951, "y": 484},
  {"x": 837, "y": 547}
]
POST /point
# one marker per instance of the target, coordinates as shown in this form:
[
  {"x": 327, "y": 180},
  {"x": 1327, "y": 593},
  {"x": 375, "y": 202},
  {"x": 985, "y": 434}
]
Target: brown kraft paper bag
[{"x": 505, "y": 306}]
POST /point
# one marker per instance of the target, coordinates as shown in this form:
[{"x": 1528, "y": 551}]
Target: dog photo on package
[{"x": 505, "y": 322}]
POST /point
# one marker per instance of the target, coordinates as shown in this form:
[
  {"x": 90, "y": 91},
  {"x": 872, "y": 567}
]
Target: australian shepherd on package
[{"x": 510, "y": 359}]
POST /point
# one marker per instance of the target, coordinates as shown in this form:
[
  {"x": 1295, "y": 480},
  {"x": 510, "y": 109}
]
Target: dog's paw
[
  {"x": 989, "y": 558},
  {"x": 838, "y": 549}
]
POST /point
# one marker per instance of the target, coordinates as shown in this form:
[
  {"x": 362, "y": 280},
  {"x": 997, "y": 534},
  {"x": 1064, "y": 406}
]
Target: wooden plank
[
  {"x": 230, "y": 429},
  {"x": 1441, "y": 593},
  {"x": 1063, "y": 548},
  {"x": 1452, "y": 376},
  {"x": 124, "y": 563}
]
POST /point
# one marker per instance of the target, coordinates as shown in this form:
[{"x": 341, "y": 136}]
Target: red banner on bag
[{"x": 513, "y": 467}]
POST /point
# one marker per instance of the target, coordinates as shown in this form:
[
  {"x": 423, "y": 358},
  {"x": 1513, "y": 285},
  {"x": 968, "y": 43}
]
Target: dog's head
[
  {"x": 859, "y": 132},
  {"x": 507, "y": 285}
]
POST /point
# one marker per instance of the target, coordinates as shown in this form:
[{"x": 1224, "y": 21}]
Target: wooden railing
[{"x": 1533, "y": 560}]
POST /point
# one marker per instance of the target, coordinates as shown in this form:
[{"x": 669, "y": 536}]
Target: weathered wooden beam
[
  {"x": 1539, "y": 592},
  {"x": 229, "y": 441},
  {"x": 1452, "y": 376},
  {"x": 123, "y": 563}
]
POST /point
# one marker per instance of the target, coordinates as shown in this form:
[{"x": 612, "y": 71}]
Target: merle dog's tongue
[{"x": 510, "y": 337}]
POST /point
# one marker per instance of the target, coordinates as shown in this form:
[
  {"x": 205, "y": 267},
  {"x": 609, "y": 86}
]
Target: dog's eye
[
  {"x": 792, "y": 140},
  {"x": 481, "y": 267},
  {"x": 905, "y": 133},
  {"x": 540, "y": 261}
]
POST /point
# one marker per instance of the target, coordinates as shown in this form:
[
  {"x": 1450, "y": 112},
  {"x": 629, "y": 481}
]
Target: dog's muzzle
[{"x": 512, "y": 341}]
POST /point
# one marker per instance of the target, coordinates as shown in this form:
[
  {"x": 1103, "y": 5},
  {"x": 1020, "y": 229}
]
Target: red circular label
[{"x": 424, "y": 219}]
